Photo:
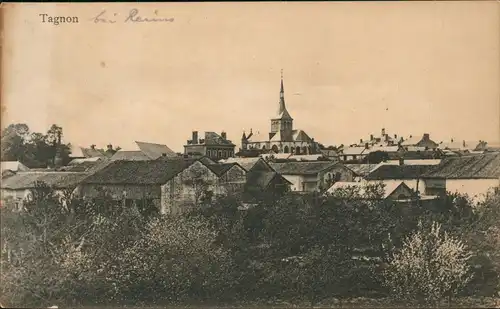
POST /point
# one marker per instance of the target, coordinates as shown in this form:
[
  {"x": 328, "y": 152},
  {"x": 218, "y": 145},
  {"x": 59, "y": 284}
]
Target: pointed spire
[{"x": 282, "y": 112}]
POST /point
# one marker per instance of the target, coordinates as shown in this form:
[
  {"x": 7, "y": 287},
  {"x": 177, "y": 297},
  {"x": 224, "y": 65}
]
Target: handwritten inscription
[{"x": 133, "y": 16}]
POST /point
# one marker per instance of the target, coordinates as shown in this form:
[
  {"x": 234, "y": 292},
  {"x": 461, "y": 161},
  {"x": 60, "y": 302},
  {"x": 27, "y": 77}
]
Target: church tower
[{"x": 283, "y": 122}]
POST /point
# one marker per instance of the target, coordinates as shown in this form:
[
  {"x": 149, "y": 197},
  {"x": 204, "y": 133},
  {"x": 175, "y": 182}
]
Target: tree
[
  {"x": 32, "y": 148},
  {"x": 430, "y": 265},
  {"x": 376, "y": 157}
]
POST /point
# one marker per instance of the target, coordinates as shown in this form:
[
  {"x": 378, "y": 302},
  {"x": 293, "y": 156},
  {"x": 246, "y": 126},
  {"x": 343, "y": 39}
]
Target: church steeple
[
  {"x": 282, "y": 112},
  {"x": 283, "y": 122}
]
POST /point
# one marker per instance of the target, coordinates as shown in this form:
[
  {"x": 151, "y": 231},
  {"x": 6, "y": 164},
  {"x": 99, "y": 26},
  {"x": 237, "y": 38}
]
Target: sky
[{"x": 350, "y": 68}]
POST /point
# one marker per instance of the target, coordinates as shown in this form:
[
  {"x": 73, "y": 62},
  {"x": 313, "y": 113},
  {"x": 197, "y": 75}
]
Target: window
[
  {"x": 287, "y": 150},
  {"x": 220, "y": 153},
  {"x": 225, "y": 153}
]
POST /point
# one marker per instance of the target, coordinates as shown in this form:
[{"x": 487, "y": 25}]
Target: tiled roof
[
  {"x": 353, "y": 151},
  {"x": 389, "y": 171},
  {"x": 221, "y": 168},
  {"x": 382, "y": 148},
  {"x": 411, "y": 141},
  {"x": 301, "y": 168},
  {"x": 84, "y": 160},
  {"x": 245, "y": 163},
  {"x": 81, "y": 167},
  {"x": 130, "y": 155},
  {"x": 361, "y": 169},
  {"x": 27, "y": 180},
  {"x": 329, "y": 152},
  {"x": 92, "y": 152},
  {"x": 262, "y": 179},
  {"x": 154, "y": 151},
  {"x": 139, "y": 172},
  {"x": 483, "y": 166}
]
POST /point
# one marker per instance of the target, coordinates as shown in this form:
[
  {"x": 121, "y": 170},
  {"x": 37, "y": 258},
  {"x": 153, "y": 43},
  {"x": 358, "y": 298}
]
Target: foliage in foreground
[
  {"x": 296, "y": 249},
  {"x": 430, "y": 265}
]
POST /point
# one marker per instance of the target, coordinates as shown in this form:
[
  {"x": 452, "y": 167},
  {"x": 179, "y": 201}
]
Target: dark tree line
[{"x": 34, "y": 149}]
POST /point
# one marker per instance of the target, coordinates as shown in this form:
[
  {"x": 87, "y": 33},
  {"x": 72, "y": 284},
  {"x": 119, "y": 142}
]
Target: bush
[{"x": 429, "y": 266}]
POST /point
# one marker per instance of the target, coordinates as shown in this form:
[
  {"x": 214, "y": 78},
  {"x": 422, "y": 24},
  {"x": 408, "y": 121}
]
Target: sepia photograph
[{"x": 250, "y": 154}]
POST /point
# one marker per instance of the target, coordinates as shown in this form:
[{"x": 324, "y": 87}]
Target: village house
[
  {"x": 312, "y": 176},
  {"x": 354, "y": 153},
  {"x": 213, "y": 145},
  {"x": 423, "y": 142},
  {"x": 390, "y": 174},
  {"x": 473, "y": 175},
  {"x": 19, "y": 186},
  {"x": 282, "y": 138},
  {"x": 146, "y": 151},
  {"x": 261, "y": 178},
  {"x": 170, "y": 185}
]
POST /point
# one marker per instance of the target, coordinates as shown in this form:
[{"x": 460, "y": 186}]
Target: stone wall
[{"x": 188, "y": 188}]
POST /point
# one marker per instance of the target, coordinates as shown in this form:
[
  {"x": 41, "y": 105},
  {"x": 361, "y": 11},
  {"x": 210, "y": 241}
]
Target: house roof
[
  {"x": 311, "y": 157},
  {"x": 353, "y": 151},
  {"x": 27, "y": 180},
  {"x": 389, "y": 171},
  {"x": 13, "y": 166},
  {"x": 130, "y": 155},
  {"x": 361, "y": 169},
  {"x": 360, "y": 187},
  {"x": 383, "y": 148},
  {"x": 484, "y": 166},
  {"x": 246, "y": 163},
  {"x": 139, "y": 172},
  {"x": 301, "y": 167},
  {"x": 92, "y": 152},
  {"x": 84, "y": 160},
  {"x": 262, "y": 179},
  {"x": 221, "y": 168},
  {"x": 154, "y": 151},
  {"x": 412, "y": 141},
  {"x": 329, "y": 152},
  {"x": 81, "y": 167}
]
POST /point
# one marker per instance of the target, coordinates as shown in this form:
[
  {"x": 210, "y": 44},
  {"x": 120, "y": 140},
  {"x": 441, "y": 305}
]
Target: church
[{"x": 282, "y": 138}]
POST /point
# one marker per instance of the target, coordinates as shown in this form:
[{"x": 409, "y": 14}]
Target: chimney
[
  {"x": 371, "y": 137},
  {"x": 361, "y": 141},
  {"x": 110, "y": 147},
  {"x": 463, "y": 143},
  {"x": 195, "y": 137},
  {"x": 452, "y": 140},
  {"x": 395, "y": 136},
  {"x": 426, "y": 136},
  {"x": 366, "y": 146},
  {"x": 401, "y": 161},
  {"x": 223, "y": 135},
  {"x": 92, "y": 146},
  {"x": 383, "y": 131}
]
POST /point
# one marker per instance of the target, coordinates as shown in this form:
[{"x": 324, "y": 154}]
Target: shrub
[{"x": 429, "y": 266}]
